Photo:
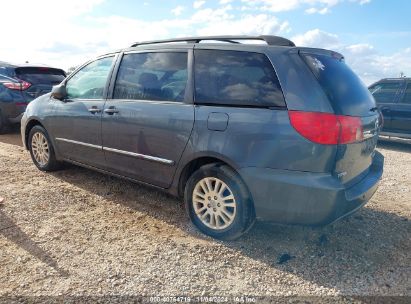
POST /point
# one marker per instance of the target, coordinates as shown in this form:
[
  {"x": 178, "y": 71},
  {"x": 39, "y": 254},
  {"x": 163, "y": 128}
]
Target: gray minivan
[{"x": 241, "y": 131}]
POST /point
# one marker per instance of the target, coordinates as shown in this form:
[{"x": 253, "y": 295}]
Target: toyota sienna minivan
[{"x": 240, "y": 131}]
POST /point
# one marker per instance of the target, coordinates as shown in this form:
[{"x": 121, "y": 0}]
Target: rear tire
[
  {"x": 218, "y": 202},
  {"x": 41, "y": 150}
]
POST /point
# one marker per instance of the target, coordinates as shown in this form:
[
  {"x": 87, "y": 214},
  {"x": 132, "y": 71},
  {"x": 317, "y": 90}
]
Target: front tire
[
  {"x": 218, "y": 202},
  {"x": 41, "y": 150}
]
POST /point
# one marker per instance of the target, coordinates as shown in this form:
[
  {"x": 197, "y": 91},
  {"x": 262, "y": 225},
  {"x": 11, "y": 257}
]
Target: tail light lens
[
  {"x": 19, "y": 86},
  {"x": 351, "y": 129},
  {"x": 326, "y": 128}
]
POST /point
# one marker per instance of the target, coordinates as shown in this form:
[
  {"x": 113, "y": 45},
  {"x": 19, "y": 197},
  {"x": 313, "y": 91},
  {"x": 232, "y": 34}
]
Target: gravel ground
[{"x": 78, "y": 232}]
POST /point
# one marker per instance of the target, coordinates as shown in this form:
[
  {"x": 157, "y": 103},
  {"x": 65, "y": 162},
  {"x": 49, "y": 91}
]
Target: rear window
[
  {"x": 236, "y": 78},
  {"x": 346, "y": 92},
  {"x": 41, "y": 75}
]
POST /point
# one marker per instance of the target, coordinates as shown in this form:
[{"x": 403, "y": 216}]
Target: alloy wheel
[
  {"x": 214, "y": 203},
  {"x": 40, "y": 148}
]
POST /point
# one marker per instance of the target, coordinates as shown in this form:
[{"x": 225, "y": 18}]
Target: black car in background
[
  {"x": 393, "y": 97},
  {"x": 20, "y": 84}
]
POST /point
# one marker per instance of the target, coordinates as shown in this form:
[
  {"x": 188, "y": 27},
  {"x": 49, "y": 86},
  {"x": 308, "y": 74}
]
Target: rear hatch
[
  {"x": 41, "y": 80},
  {"x": 354, "y": 104}
]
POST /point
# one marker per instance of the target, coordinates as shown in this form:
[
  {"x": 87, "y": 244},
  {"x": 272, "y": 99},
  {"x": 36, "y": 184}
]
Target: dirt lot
[{"x": 77, "y": 232}]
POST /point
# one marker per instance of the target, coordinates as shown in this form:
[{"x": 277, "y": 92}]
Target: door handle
[
  {"x": 111, "y": 110},
  {"x": 94, "y": 110}
]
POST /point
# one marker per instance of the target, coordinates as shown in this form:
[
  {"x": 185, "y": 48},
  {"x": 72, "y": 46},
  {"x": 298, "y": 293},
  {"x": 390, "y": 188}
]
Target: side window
[
  {"x": 385, "y": 92},
  {"x": 407, "y": 96},
  {"x": 158, "y": 76},
  {"x": 90, "y": 81},
  {"x": 236, "y": 78}
]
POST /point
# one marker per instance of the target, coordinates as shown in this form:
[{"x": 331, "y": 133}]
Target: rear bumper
[
  {"x": 12, "y": 112},
  {"x": 292, "y": 197},
  {"x": 23, "y": 125},
  {"x": 394, "y": 134},
  {"x": 16, "y": 119}
]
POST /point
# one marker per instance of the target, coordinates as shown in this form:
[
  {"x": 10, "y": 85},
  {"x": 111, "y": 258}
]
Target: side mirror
[{"x": 59, "y": 92}]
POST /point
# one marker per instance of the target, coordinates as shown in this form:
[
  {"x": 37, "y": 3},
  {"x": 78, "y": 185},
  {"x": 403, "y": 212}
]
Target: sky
[{"x": 373, "y": 35}]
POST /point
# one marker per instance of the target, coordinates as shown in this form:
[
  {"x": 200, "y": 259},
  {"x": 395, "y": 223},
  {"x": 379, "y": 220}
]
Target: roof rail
[{"x": 270, "y": 40}]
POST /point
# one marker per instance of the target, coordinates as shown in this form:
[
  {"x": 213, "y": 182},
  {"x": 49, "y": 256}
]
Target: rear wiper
[{"x": 374, "y": 109}]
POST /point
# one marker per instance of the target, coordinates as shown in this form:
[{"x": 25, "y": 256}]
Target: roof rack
[{"x": 270, "y": 40}]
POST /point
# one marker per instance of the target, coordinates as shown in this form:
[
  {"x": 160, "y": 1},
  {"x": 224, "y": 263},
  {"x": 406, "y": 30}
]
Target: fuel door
[{"x": 217, "y": 121}]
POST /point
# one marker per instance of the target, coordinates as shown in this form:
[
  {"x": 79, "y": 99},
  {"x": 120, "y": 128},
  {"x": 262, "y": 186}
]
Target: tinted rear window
[
  {"x": 41, "y": 75},
  {"x": 346, "y": 92},
  {"x": 236, "y": 78}
]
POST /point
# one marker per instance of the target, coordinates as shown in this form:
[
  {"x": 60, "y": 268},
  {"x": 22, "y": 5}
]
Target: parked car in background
[
  {"x": 240, "y": 131},
  {"x": 20, "y": 84},
  {"x": 393, "y": 98}
]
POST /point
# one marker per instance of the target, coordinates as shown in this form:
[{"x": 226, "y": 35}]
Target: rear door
[
  {"x": 386, "y": 94},
  {"x": 401, "y": 112},
  {"x": 348, "y": 97},
  {"x": 148, "y": 121}
]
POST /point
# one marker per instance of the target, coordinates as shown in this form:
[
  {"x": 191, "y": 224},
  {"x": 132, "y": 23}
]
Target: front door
[
  {"x": 148, "y": 122},
  {"x": 77, "y": 119}
]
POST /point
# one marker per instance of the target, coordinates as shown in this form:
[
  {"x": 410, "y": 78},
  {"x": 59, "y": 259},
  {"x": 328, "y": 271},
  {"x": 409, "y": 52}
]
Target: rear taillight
[
  {"x": 351, "y": 129},
  {"x": 326, "y": 128},
  {"x": 20, "y": 86}
]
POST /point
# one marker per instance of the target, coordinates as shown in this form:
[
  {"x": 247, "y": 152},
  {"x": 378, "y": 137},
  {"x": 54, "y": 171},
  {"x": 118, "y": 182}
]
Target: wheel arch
[
  {"x": 198, "y": 161},
  {"x": 30, "y": 125},
  {"x": 248, "y": 217}
]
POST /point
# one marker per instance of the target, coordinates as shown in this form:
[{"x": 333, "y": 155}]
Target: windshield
[{"x": 346, "y": 92}]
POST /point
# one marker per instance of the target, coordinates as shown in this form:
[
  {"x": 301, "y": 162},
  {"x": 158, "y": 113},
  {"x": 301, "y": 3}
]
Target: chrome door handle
[
  {"x": 94, "y": 110},
  {"x": 111, "y": 110}
]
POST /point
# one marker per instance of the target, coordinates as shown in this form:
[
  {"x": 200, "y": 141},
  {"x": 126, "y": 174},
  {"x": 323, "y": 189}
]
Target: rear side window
[
  {"x": 152, "y": 76},
  {"x": 346, "y": 92},
  {"x": 41, "y": 75},
  {"x": 236, "y": 78},
  {"x": 407, "y": 96},
  {"x": 385, "y": 92}
]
